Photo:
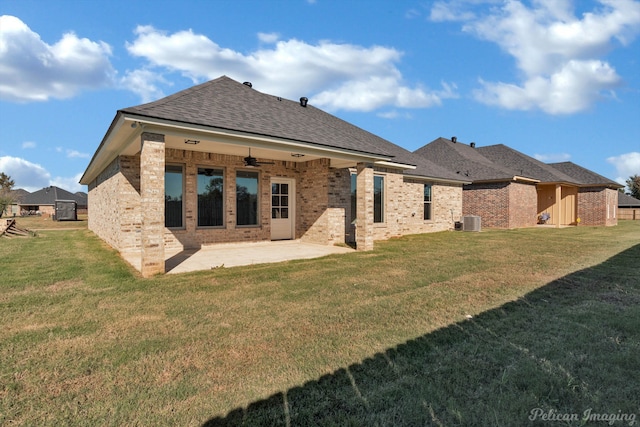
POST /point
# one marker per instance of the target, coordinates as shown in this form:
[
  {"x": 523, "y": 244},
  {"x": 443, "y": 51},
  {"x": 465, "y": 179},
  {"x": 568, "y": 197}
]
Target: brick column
[
  {"x": 364, "y": 207},
  {"x": 152, "y": 203}
]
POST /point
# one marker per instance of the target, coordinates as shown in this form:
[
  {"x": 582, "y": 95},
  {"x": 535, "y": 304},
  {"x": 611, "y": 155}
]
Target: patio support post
[
  {"x": 364, "y": 207},
  {"x": 559, "y": 205},
  {"x": 152, "y": 159}
]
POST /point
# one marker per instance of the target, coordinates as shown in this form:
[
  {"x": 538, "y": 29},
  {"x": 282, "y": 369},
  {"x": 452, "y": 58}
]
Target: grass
[
  {"x": 375, "y": 338},
  {"x": 38, "y": 222}
]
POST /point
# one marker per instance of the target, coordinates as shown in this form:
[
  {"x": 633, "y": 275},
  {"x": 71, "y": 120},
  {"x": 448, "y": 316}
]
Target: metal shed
[{"x": 66, "y": 210}]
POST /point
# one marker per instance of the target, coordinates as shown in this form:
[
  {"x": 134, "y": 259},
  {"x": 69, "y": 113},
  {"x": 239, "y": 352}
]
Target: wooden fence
[{"x": 629, "y": 213}]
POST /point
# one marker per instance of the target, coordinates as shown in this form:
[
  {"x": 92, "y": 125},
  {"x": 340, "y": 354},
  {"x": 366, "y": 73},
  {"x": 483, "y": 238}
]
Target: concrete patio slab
[{"x": 238, "y": 254}]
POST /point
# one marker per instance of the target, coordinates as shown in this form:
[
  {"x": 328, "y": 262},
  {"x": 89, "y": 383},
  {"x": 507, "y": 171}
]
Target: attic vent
[
  {"x": 303, "y": 101},
  {"x": 473, "y": 145},
  {"x": 247, "y": 84},
  {"x": 454, "y": 139}
]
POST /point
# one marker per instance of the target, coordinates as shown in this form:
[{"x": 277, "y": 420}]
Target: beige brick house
[
  {"x": 223, "y": 162},
  {"x": 511, "y": 190}
]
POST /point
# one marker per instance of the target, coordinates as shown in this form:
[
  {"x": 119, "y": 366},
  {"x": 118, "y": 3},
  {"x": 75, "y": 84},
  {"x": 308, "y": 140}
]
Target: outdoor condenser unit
[{"x": 471, "y": 223}]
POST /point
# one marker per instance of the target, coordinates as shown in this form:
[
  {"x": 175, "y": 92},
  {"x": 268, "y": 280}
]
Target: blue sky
[{"x": 556, "y": 79}]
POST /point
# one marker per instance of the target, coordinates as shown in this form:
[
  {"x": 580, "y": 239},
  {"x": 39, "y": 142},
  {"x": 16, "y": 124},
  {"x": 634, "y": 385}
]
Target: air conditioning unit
[{"x": 471, "y": 223}]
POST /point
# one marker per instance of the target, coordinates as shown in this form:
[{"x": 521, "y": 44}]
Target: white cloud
[
  {"x": 449, "y": 11},
  {"x": 28, "y": 144},
  {"x": 393, "y": 114},
  {"x": 33, "y": 177},
  {"x": 144, "y": 83},
  {"x": 559, "y": 55},
  {"x": 268, "y": 37},
  {"x": 72, "y": 184},
  {"x": 33, "y": 70},
  {"x": 553, "y": 157},
  {"x": 334, "y": 76},
  {"x": 26, "y": 175},
  {"x": 75, "y": 154},
  {"x": 626, "y": 165}
]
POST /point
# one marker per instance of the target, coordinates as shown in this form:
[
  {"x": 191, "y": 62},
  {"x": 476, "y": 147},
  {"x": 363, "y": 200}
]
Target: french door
[{"x": 282, "y": 208}]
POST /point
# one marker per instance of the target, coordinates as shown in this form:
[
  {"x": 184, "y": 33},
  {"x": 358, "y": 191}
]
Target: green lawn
[{"x": 376, "y": 338}]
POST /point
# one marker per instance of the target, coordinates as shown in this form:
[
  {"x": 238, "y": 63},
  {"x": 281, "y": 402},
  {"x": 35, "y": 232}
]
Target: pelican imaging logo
[{"x": 588, "y": 415}]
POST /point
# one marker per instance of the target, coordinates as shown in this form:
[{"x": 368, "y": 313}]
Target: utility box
[
  {"x": 66, "y": 210},
  {"x": 471, "y": 223}
]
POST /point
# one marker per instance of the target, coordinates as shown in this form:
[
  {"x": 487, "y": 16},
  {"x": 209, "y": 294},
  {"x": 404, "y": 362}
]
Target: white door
[{"x": 282, "y": 208}]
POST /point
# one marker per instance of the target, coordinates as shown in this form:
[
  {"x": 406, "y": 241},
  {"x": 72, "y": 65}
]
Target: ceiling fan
[{"x": 253, "y": 162}]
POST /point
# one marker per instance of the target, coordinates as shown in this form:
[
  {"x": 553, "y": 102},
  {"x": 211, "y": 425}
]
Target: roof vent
[
  {"x": 454, "y": 139},
  {"x": 472, "y": 145},
  {"x": 247, "y": 84},
  {"x": 303, "y": 101}
]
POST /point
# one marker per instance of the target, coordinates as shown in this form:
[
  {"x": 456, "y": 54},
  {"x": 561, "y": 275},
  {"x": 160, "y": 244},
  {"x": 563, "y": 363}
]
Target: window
[
  {"x": 354, "y": 200},
  {"x": 378, "y": 199},
  {"x": 247, "y": 198},
  {"x": 210, "y": 191},
  {"x": 427, "y": 201},
  {"x": 173, "y": 188},
  {"x": 279, "y": 200}
]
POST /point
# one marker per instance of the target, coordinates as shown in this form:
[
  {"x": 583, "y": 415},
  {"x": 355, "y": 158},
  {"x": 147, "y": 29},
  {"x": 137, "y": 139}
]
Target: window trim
[
  {"x": 258, "y": 223},
  {"x": 429, "y": 203},
  {"x": 383, "y": 199},
  {"x": 182, "y": 201},
  {"x": 224, "y": 191}
]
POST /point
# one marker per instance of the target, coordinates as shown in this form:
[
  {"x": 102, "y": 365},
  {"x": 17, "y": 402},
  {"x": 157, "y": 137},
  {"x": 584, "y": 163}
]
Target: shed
[{"x": 66, "y": 210}]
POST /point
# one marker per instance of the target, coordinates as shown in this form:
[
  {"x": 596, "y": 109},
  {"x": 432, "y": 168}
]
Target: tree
[
  {"x": 633, "y": 184},
  {"x": 6, "y": 196}
]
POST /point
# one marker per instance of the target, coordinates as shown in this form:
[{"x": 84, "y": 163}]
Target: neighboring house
[
  {"x": 43, "y": 201},
  {"x": 511, "y": 190},
  {"x": 223, "y": 162},
  {"x": 14, "y": 208},
  {"x": 628, "y": 207}
]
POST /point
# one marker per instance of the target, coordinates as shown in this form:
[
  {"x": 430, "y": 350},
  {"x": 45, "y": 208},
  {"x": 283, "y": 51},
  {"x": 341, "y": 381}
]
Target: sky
[{"x": 558, "y": 80}]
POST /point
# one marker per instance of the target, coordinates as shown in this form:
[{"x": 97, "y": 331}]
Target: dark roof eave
[{"x": 436, "y": 179}]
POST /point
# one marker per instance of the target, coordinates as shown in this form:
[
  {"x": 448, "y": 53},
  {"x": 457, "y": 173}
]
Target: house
[
  {"x": 223, "y": 162},
  {"x": 628, "y": 207},
  {"x": 14, "y": 208},
  {"x": 509, "y": 189},
  {"x": 43, "y": 201}
]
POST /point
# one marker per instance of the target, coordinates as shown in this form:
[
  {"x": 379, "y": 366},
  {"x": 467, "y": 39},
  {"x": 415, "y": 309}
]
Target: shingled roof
[
  {"x": 626, "y": 201},
  {"x": 49, "y": 195},
  {"x": 465, "y": 161},
  {"x": 524, "y": 165},
  {"x": 584, "y": 176},
  {"x": 502, "y": 163},
  {"x": 226, "y": 104}
]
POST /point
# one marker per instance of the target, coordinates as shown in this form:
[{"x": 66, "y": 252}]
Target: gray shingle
[
  {"x": 524, "y": 165},
  {"x": 626, "y": 201},
  {"x": 584, "y": 176},
  {"x": 48, "y": 196},
  {"x": 464, "y": 161},
  {"x": 226, "y": 104}
]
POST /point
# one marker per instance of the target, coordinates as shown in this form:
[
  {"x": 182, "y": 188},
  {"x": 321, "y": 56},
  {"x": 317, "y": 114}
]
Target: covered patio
[{"x": 238, "y": 254}]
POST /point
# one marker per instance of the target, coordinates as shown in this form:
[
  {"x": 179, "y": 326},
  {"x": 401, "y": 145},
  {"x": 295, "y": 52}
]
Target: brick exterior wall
[
  {"x": 322, "y": 203},
  {"x": 523, "y": 205},
  {"x": 488, "y": 201},
  {"x": 404, "y": 207},
  {"x": 502, "y": 204},
  {"x": 598, "y": 206},
  {"x": 114, "y": 203},
  {"x": 404, "y": 204}
]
